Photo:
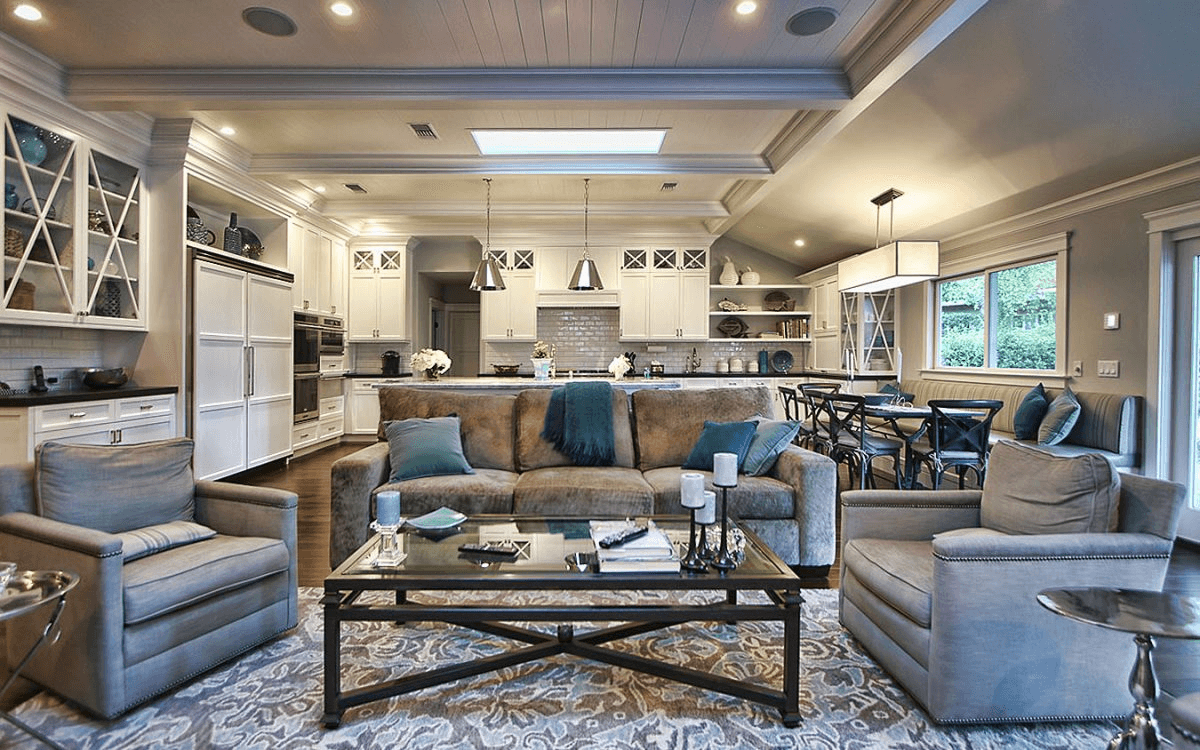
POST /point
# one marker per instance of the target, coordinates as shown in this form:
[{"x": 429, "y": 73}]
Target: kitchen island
[{"x": 514, "y": 384}]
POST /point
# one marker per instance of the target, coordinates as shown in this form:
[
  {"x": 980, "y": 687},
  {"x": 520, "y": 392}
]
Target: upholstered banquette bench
[{"x": 515, "y": 470}]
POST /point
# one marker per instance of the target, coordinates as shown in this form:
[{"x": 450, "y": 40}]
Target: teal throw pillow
[
  {"x": 770, "y": 439},
  {"x": 893, "y": 389},
  {"x": 1030, "y": 413},
  {"x": 1060, "y": 417},
  {"x": 425, "y": 448},
  {"x": 720, "y": 437}
]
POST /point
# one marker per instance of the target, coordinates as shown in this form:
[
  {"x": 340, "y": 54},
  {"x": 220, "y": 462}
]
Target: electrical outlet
[
  {"x": 1077, "y": 368},
  {"x": 1108, "y": 368}
]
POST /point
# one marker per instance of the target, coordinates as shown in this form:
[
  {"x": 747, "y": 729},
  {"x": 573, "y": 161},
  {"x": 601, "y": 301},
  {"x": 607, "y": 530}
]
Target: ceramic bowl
[
  {"x": 98, "y": 377},
  {"x": 506, "y": 369}
]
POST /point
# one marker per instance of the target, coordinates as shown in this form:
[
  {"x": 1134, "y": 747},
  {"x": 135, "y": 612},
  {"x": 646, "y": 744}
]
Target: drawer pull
[
  {"x": 146, "y": 407},
  {"x": 77, "y": 414}
]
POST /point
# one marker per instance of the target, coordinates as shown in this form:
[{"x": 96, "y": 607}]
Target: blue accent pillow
[
  {"x": 720, "y": 437},
  {"x": 893, "y": 389},
  {"x": 770, "y": 439},
  {"x": 1060, "y": 417},
  {"x": 425, "y": 448},
  {"x": 1030, "y": 413}
]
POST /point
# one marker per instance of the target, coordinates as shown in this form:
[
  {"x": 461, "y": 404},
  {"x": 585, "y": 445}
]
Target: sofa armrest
[
  {"x": 352, "y": 480},
  {"x": 912, "y": 515},
  {"x": 813, "y": 478},
  {"x": 93, "y": 618}
]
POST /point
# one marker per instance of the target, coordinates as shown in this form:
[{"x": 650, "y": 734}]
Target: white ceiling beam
[
  {"x": 385, "y": 164},
  {"x": 226, "y": 88}
]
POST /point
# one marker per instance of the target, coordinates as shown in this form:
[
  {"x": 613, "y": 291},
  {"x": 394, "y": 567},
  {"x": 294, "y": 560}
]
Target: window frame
[{"x": 1053, "y": 247}]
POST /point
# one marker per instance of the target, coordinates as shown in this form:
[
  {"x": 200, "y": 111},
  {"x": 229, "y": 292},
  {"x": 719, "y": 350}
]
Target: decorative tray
[{"x": 437, "y": 520}]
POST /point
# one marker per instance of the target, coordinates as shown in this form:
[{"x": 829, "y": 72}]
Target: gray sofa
[
  {"x": 1109, "y": 423},
  {"x": 516, "y": 471},
  {"x": 134, "y": 628},
  {"x": 954, "y": 617}
]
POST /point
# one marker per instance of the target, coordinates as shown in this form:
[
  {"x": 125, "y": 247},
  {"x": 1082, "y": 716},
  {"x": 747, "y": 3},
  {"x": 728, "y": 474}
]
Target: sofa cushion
[
  {"x": 667, "y": 423},
  {"x": 720, "y": 437},
  {"x": 535, "y": 452},
  {"x": 180, "y": 577},
  {"x": 898, "y": 572},
  {"x": 487, "y": 419},
  {"x": 1031, "y": 491},
  {"x": 1030, "y": 413},
  {"x": 583, "y": 491},
  {"x": 1060, "y": 417},
  {"x": 770, "y": 438},
  {"x": 115, "y": 488},
  {"x": 753, "y": 498},
  {"x": 161, "y": 536},
  {"x": 485, "y": 491},
  {"x": 425, "y": 448}
]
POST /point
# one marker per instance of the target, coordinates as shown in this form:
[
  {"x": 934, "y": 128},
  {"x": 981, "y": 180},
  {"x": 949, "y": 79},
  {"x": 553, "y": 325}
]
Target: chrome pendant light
[
  {"x": 586, "y": 277},
  {"x": 487, "y": 274}
]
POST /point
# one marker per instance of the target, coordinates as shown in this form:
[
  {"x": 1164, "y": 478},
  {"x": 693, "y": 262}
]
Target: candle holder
[
  {"x": 724, "y": 561},
  {"x": 389, "y": 554},
  {"x": 692, "y": 561}
]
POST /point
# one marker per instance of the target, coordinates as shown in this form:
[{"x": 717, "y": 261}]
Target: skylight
[{"x": 573, "y": 141}]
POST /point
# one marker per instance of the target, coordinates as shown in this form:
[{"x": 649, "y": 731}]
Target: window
[{"x": 1001, "y": 318}]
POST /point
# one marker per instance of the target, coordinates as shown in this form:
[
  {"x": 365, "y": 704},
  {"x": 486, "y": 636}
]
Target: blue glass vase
[{"x": 33, "y": 148}]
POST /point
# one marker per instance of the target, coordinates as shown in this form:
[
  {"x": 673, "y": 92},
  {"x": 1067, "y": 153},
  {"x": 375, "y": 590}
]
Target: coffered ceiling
[{"x": 966, "y": 105}]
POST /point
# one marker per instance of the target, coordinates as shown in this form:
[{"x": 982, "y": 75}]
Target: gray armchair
[
  {"x": 176, "y": 576},
  {"x": 954, "y": 618}
]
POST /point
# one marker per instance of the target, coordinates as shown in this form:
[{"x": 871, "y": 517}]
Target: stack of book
[
  {"x": 792, "y": 329},
  {"x": 651, "y": 553}
]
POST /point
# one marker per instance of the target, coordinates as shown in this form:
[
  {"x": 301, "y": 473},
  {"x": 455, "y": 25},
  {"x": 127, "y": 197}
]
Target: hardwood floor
[{"x": 1177, "y": 662}]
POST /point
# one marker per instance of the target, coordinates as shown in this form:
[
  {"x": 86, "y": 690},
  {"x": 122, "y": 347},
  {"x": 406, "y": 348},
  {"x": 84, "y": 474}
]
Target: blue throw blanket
[{"x": 579, "y": 423}]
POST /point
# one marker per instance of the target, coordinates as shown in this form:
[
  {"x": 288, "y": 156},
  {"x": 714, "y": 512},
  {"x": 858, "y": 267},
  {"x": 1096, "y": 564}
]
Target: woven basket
[
  {"x": 14, "y": 242},
  {"x": 22, "y": 298}
]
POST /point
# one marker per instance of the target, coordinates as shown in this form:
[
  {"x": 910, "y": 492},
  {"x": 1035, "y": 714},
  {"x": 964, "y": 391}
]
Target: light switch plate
[
  {"x": 1108, "y": 368},
  {"x": 1112, "y": 321},
  {"x": 1077, "y": 368}
]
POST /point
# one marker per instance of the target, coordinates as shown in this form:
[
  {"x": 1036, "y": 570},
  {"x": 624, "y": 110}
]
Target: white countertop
[{"x": 628, "y": 384}]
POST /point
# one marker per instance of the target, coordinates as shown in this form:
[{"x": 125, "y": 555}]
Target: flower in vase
[
  {"x": 619, "y": 366},
  {"x": 542, "y": 350},
  {"x": 432, "y": 362}
]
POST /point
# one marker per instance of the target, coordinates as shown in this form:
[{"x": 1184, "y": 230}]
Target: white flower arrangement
[
  {"x": 431, "y": 361},
  {"x": 542, "y": 350},
  {"x": 619, "y": 366}
]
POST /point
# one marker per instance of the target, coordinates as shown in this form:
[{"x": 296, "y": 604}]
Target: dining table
[{"x": 901, "y": 420}]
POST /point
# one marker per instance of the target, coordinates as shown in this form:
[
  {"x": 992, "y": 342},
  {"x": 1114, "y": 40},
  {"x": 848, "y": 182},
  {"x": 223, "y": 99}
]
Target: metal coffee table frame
[{"x": 762, "y": 570}]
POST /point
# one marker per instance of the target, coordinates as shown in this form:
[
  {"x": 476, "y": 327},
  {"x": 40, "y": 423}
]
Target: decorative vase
[
  {"x": 542, "y": 367},
  {"x": 233, "y": 237},
  {"x": 33, "y": 148},
  {"x": 729, "y": 274},
  {"x": 433, "y": 373},
  {"x": 749, "y": 277},
  {"x": 10, "y": 195}
]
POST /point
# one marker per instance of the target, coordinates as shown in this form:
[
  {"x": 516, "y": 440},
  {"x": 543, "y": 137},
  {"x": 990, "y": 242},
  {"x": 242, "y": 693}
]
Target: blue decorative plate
[{"x": 781, "y": 361}]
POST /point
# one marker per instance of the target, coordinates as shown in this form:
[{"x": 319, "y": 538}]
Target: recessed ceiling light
[
  {"x": 27, "y": 12},
  {"x": 226, "y": 130},
  {"x": 269, "y": 21},
  {"x": 573, "y": 141},
  {"x": 799, "y": 243},
  {"x": 319, "y": 188},
  {"x": 342, "y": 9},
  {"x": 746, "y": 7},
  {"x": 811, "y": 21}
]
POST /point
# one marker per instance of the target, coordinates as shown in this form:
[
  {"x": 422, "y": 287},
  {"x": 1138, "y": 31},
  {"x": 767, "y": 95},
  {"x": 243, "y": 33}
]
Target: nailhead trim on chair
[
  {"x": 1185, "y": 733},
  {"x": 1045, "y": 558},
  {"x": 946, "y": 506}
]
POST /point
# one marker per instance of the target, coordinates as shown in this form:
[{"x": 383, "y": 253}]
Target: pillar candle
[
  {"x": 725, "y": 467},
  {"x": 387, "y": 508},
  {"x": 707, "y": 513},
  {"x": 691, "y": 490}
]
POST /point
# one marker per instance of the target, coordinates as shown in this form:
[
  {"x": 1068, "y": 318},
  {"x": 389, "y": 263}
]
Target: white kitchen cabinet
[
  {"x": 664, "y": 294},
  {"x": 242, "y": 377},
  {"x": 556, "y": 265},
  {"x": 378, "y": 303},
  {"x": 511, "y": 314},
  {"x": 115, "y": 421},
  {"x": 362, "y": 407},
  {"x": 318, "y": 261},
  {"x": 73, "y": 254}
]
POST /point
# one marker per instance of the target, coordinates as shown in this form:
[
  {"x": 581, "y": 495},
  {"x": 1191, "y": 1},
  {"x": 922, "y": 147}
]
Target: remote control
[
  {"x": 503, "y": 550},
  {"x": 617, "y": 538}
]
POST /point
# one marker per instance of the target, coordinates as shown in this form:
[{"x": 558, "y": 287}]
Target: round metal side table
[
  {"x": 1146, "y": 614},
  {"x": 26, "y": 591}
]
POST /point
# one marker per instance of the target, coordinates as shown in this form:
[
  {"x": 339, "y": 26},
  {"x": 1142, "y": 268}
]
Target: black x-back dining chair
[
  {"x": 794, "y": 411},
  {"x": 818, "y": 437},
  {"x": 852, "y": 442},
  {"x": 955, "y": 440}
]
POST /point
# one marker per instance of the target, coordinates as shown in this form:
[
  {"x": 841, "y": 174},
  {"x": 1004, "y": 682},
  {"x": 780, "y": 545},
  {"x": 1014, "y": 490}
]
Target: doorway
[
  {"x": 1185, "y": 452},
  {"x": 461, "y": 326}
]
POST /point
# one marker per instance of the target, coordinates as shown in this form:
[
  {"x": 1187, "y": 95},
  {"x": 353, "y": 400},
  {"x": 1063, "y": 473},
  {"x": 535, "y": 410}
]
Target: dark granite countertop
[
  {"x": 66, "y": 396},
  {"x": 562, "y": 375}
]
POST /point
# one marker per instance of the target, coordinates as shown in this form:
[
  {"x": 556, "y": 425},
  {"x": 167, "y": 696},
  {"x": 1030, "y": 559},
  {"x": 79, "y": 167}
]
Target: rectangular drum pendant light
[{"x": 895, "y": 264}]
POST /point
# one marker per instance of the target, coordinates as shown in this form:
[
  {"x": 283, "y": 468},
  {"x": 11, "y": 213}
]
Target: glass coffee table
[{"x": 434, "y": 563}]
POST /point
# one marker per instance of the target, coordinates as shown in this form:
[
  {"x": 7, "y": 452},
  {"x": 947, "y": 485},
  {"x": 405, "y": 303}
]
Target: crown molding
[
  {"x": 1186, "y": 172},
  {"x": 591, "y": 164},
  {"x": 99, "y": 88},
  {"x": 382, "y": 209},
  {"x": 1183, "y": 216}
]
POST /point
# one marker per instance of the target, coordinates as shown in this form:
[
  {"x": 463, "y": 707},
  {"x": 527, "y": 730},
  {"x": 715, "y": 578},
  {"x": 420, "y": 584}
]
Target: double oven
[{"x": 318, "y": 349}]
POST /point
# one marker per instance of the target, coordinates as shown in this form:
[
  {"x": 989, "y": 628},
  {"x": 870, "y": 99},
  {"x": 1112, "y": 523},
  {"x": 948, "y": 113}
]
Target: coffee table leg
[
  {"x": 1141, "y": 731},
  {"x": 791, "y": 662},
  {"x": 333, "y": 661}
]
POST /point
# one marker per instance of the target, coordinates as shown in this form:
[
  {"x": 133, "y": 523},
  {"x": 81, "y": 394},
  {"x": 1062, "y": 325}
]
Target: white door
[
  {"x": 221, "y": 364},
  {"x": 1185, "y": 455},
  {"x": 461, "y": 330},
  {"x": 269, "y": 398}
]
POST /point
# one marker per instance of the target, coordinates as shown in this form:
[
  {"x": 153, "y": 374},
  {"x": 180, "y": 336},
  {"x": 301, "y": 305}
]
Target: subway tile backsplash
[{"x": 60, "y": 351}]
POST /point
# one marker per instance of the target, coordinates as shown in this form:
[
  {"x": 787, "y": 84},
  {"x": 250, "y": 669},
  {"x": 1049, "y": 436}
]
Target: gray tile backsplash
[{"x": 60, "y": 351}]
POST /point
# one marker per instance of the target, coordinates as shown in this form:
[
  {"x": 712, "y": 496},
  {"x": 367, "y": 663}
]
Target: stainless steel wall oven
[
  {"x": 306, "y": 347},
  {"x": 306, "y": 397}
]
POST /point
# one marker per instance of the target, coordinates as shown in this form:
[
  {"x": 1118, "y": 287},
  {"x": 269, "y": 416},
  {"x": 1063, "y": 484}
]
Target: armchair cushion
[
  {"x": 125, "y": 486},
  {"x": 898, "y": 572},
  {"x": 162, "y": 536},
  {"x": 1030, "y": 491}
]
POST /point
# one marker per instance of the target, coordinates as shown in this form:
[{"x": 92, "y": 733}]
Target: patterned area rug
[{"x": 271, "y": 698}]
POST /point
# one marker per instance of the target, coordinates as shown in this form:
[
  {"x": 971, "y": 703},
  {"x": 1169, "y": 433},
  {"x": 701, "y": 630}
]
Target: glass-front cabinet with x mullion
[{"x": 72, "y": 228}]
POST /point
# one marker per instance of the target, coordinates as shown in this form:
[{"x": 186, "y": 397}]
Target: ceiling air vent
[
  {"x": 354, "y": 187},
  {"x": 423, "y": 130},
  {"x": 668, "y": 186}
]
